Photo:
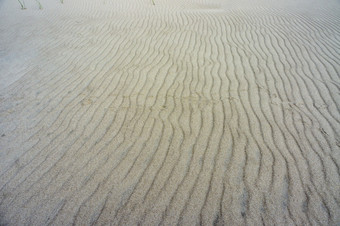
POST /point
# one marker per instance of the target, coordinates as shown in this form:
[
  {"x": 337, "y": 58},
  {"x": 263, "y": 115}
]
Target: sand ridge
[{"x": 182, "y": 112}]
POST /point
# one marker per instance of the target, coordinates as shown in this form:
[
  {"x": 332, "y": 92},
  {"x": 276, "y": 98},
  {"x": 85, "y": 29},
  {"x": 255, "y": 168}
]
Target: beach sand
[{"x": 183, "y": 112}]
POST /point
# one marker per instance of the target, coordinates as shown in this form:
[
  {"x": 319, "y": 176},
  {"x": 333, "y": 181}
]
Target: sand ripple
[{"x": 189, "y": 112}]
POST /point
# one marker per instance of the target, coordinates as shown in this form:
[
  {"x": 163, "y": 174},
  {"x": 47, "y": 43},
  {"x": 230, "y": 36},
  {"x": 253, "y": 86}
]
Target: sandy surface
[{"x": 183, "y": 112}]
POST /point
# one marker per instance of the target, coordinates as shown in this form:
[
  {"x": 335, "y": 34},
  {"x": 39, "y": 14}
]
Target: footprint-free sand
[{"x": 221, "y": 112}]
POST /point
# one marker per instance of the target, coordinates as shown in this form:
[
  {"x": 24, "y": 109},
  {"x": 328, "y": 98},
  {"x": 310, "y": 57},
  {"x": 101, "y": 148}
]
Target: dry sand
[{"x": 183, "y": 112}]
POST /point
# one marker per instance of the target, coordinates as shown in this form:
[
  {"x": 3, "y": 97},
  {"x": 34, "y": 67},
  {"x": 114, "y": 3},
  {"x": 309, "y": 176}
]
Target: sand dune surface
[{"x": 188, "y": 112}]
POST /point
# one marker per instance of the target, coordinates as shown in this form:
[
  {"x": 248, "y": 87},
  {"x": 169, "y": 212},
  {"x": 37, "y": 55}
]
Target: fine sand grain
[{"x": 184, "y": 112}]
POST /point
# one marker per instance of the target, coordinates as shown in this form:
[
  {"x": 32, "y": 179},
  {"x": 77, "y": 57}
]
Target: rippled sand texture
[{"x": 186, "y": 112}]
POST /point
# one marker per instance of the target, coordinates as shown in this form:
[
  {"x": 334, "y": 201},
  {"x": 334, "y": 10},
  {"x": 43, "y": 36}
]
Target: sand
[{"x": 183, "y": 112}]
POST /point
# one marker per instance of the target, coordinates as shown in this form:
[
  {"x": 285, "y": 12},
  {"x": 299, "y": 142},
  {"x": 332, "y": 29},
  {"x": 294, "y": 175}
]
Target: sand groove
[{"x": 189, "y": 112}]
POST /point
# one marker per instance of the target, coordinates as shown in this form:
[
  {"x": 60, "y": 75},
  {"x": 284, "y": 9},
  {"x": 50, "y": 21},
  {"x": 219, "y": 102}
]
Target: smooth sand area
[{"x": 184, "y": 112}]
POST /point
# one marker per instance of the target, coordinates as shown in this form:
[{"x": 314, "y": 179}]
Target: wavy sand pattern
[{"x": 183, "y": 112}]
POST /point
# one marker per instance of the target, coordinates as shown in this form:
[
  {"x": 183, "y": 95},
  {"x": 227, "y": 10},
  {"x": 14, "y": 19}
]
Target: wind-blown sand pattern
[{"x": 183, "y": 112}]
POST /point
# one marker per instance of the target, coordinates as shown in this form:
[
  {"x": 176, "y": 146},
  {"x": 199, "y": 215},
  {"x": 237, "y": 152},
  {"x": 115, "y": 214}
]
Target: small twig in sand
[
  {"x": 22, "y": 4},
  {"x": 153, "y": 2},
  {"x": 62, "y": 1},
  {"x": 40, "y": 6}
]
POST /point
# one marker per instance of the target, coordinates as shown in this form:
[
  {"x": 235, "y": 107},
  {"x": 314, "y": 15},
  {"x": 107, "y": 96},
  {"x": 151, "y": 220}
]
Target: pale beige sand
[{"x": 187, "y": 112}]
